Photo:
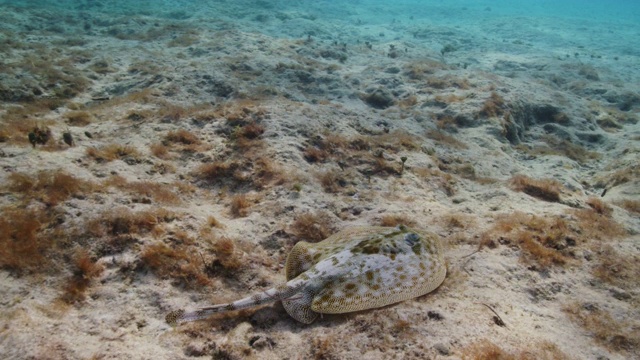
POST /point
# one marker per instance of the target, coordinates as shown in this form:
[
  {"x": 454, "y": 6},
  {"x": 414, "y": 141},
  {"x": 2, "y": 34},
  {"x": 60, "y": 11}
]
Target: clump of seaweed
[
  {"x": 23, "y": 246},
  {"x": 313, "y": 227},
  {"x": 446, "y": 120},
  {"x": 545, "y": 242},
  {"x": 62, "y": 80},
  {"x": 123, "y": 221},
  {"x": 182, "y": 136},
  {"x": 420, "y": 70},
  {"x": 213, "y": 222},
  {"x": 332, "y": 180},
  {"x": 4, "y": 135},
  {"x": 229, "y": 257},
  {"x": 160, "y": 151},
  {"x": 146, "y": 191},
  {"x": 550, "y": 241},
  {"x": 217, "y": 172},
  {"x": 614, "y": 334},
  {"x": 240, "y": 205},
  {"x": 447, "y": 81},
  {"x": 265, "y": 171},
  {"x": 486, "y": 350},
  {"x": 324, "y": 347},
  {"x": 599, "y": 206},
  {"x": 365, "y": 149},
  {"x": 570, "y": 150},
  {"x": 49, "y": 187},
  {"x": 543, "y": 189},
  {"x": 456, "y": 220},
  {"x": 78, "y": 118},
  {"x": 85, "y": 269},
  {"x": 383, "y": 166},
  {"x": 114, "y": 152},
  {"x": 620, "y": 174},
  {"x": 459, "y": 166},
  {"x": 18, "y": 121},
  {"x": 314, "y": 154},
  {"x": 494, "y": 106},
  {"x": 596, "y": 225},
  {"x": 177, "y": 263},
  {"x": 557, "y": 146},
  {"x": 395, "y": 220},
  {"x": 443, "y": 138},
  {"x": 258, "y": 172},
  {"x": 616, "y": 268},
  {"x": 630, "y": 205},
  {"x": 250, "y": 131},
  {"x": 444, "y": 181}
]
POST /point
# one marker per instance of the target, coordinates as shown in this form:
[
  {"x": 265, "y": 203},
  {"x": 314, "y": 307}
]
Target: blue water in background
[
  {"x": 603, "y": 29},
  {"x": 602, "y": 19},
  {"x": 615, "y": 11}
]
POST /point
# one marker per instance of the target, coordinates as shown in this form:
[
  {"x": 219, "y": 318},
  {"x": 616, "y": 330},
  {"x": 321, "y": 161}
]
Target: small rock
[
  {"x": 195, "y": 350},
  {"x": 379, "y": 99},
  {"x": 443, "y": 349},
  {"x": 620, "y": 295},
  {"x": 266, "y": 317},
  {"x": 434, "y": 315},
  {"x": 259, "y": 342}
]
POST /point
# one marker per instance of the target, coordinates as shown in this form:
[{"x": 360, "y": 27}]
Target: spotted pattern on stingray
[{"x": 355, "y": 269}]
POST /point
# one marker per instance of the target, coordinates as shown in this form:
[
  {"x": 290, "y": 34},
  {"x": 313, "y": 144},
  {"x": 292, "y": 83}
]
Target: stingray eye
[{"x": 411, "y": 239}]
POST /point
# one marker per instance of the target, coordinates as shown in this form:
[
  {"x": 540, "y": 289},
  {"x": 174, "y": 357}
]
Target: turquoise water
[
  {"x": 595, "y": 24},
  {"x": 616, "y": 13},
  {"x": 541, "y": 39},
  {"x": 481, "y": 34}
]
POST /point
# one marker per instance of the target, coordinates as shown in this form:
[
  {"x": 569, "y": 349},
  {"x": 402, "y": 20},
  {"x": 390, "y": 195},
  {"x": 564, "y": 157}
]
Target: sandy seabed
[{"x": 176, "y": 157}]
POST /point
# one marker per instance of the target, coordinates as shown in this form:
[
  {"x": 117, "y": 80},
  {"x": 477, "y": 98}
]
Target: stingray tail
[{"x": 281, "y": 292}]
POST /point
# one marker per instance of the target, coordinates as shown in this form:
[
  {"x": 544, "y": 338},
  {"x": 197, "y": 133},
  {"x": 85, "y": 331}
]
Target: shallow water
[{"x": 162, "y": 155}]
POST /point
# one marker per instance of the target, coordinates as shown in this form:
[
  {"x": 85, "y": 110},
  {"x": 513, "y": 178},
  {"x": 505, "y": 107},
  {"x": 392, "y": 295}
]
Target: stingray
[{"x": 355, "y": 269}]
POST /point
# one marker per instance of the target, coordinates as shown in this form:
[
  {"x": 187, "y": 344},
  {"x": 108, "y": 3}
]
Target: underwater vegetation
[
  {"x": 84, "y": 270},
  {"x": 114, "y": 152},
  {"x": 313, "y": 226},
  {"x": 240, "y": 204},
  {"x": 149, "y": 191},
  {"x": 23, "y": 244},
  {"x": 615, "y": 334},
  {"x": 78, "y": 118},
  {"x": 544, "y": 189},
  {"x": 183, "y": 267},
  {"x": 557, "y": 146},
  {"x": 486, "y": 350},
  {"x": 395, "y": 220},
  {"x": 544, "y": 242},
  {"x": 548, "y": 242},
  {"x": 182, "y": 136},
  {"x": 48, "y": 187}
]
